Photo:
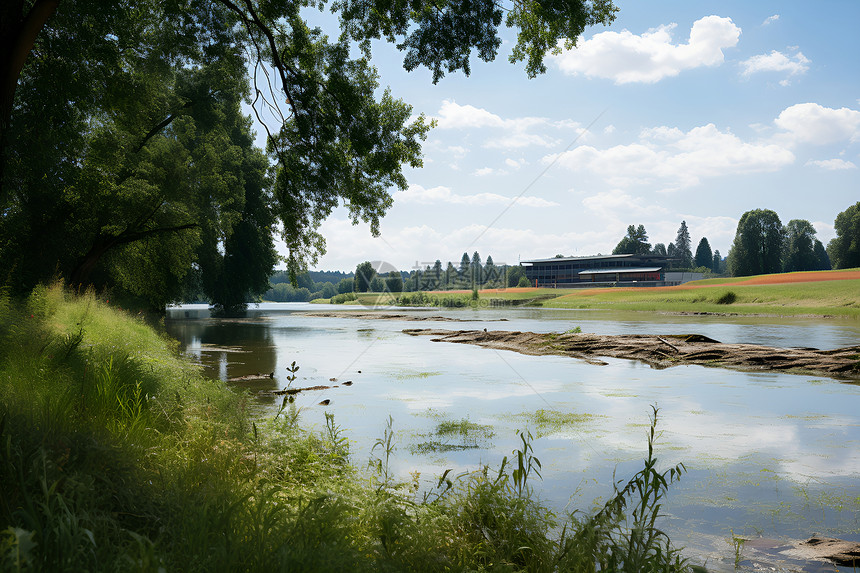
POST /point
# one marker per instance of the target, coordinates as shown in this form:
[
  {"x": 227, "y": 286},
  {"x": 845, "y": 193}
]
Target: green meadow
[
  {"x": 721, "y": 295},
  {"x": 823, "y": 298}
]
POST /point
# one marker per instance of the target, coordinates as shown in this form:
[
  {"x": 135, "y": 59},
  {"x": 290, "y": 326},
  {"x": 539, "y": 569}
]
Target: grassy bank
[
  {"x": 117, "y": 455},
  {"x": 821, "y": 298},
  {"x": 764, "y": 294}
]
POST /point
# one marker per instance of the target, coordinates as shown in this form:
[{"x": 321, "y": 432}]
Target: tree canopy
[
  {"x": 704, "y": 255},
  {"x": 757, "y": 247},
  {"x": 683, "y": 247},
  {"x": 635, "y": 242},
  {"x": 125, "y": 160},
  {"x": 800, "y": 247},
  {"x": 364, "y": 275}
]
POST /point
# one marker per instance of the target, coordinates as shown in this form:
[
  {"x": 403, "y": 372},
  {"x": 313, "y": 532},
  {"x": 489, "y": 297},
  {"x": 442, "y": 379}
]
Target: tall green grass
[{"x": 117, "y": 455}]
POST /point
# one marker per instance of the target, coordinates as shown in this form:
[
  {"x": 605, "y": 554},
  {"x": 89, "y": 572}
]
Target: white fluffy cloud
[
  {"x": 625, "y": 57},
  {"x": 675, "y": 159},
  {"x": 770, "y": 20},
  {"x": 421, "y": 195},
  {"x": 776, "y": 62},
  {"x": 814, "y": 123},
  {"x": 617, "y": 205},
  {"x": 832, "y": 164},
  {"x": 514, "y": 132},
  {"x": 455, "y": 116}
]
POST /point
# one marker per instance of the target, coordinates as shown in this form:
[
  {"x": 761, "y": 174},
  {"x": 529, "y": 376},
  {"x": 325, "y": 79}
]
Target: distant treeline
[{"x": 471, "y": 273}]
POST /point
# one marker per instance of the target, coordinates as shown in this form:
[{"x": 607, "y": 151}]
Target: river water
[{"x": 768, "y": 454}]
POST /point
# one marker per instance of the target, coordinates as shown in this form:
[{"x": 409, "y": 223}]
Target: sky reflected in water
[{"x": 768, "y": 454}]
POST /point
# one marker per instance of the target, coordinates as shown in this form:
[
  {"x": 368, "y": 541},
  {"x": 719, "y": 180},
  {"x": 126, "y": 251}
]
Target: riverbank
[
  {"x": 809, "y": 294},
  {"x": 117, "y": 455}
]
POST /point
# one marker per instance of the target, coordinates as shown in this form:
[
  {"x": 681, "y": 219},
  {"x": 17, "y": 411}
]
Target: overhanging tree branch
[
  {"x": 254, "y": 22},
  {"x": 161, "y": 125}
]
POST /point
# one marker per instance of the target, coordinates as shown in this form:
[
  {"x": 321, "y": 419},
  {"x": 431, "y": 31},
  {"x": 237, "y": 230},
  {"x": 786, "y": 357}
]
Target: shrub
[{"x": 727, "y": 297}]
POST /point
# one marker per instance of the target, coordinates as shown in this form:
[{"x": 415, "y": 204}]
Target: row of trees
[
  {"x": 763, "y": 244},
  {"x": 635, "y": 242},
  {"x": 471, "y": 273}
]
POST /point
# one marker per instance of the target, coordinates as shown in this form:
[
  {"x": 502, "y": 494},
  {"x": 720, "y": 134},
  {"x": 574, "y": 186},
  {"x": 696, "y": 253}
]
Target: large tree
[
  {"x": 73, "y": 139},
  {"x": 800, "y": 246},
  {"x": 757, "y": 248},
  {"x": 683, "y": 247},
  {"x": 477, "y": 270},
  {"x": 635, "y": 242},
  {"x": 364, "y": 275},
  {"x": 704, "y": 255},
  {"x": 134, "y": 184},
  {"x": 844, "y": 249}
]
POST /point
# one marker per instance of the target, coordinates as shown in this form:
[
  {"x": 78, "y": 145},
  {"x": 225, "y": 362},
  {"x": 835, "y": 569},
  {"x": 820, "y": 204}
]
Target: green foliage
[
  {"x": 346, "y": 286},
  {"x": 634, "y": 243},
  {"x": 758, "y": 244},
  {"x": 155, "y": 170},
  {"x": 800, "y": 253},
  {"x": 441, "y": 37},
  {"x": 844, "y": 249},
  {"x": 704, "y": 256},
  {"x": 454, "y": 435},
  {"x": 623, "y": 535},
  {"x": 524, "y": 282},
  {"x": 342, "y": 298},
  {"x": 394, "y": 282},
  {"x": 284, "y": 292},
  {"x": 727, "y": 297},
  {"x": 364, "y": 275},
  {"x": 683, "y": 247},
  {"x": 377, "y": 284}
]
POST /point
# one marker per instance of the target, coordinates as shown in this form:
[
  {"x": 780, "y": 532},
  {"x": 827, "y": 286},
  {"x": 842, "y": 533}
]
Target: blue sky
[{"x": 695, "y": 111}]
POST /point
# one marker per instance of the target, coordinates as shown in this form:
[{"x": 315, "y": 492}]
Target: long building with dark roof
[{"x": 605, "y": 270}]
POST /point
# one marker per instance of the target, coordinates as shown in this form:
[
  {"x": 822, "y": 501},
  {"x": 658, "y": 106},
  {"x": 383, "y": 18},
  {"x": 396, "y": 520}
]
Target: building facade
[{"x": 602, "y": 270}]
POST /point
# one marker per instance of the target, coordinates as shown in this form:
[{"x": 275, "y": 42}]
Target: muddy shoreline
[
  {"x": 391, "y": 316},
  {"x": 662, "y": 351}
]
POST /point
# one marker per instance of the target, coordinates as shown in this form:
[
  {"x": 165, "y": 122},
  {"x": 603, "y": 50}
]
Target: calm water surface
[{"x": 768, "y": 454}]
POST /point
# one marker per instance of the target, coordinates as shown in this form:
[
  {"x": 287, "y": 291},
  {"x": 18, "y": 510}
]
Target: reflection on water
[{"x": 769, "y": 454}]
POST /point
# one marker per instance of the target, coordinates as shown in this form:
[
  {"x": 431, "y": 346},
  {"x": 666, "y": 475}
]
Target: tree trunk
[
  {"x": 80, "y": 276},
  {"x": 18, "y": 32}
]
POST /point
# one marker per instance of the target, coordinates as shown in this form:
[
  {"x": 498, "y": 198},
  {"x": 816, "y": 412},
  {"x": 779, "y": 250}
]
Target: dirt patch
[
  {"x": 661, "y": 351},
  {"x": 392, "y": 316}
]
